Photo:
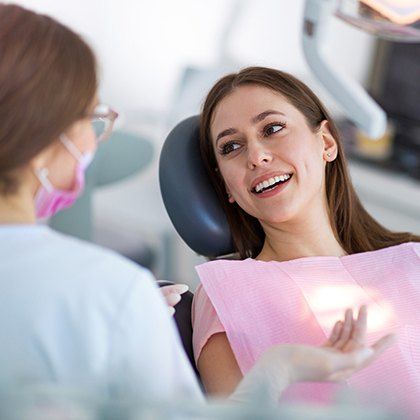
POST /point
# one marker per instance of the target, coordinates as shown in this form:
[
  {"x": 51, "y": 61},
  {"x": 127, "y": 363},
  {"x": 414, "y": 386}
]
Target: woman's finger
[
  {"x": 335, "y": 334},
  {"x": 360, "y": 326},
  {"x": 358, "y": 333},
  {"x": 379, "y": 347},
  {"x": 383, "y": 344},
  {"x": 345, "y": 330}
]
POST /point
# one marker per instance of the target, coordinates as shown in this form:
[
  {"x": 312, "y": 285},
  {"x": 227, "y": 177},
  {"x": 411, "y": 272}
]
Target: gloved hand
[
  {"x": 172, "y": 295},
  {"x": 343, "y": 354}
]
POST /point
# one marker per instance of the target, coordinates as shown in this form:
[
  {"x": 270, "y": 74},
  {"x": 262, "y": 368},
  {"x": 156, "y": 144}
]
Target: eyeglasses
[{"x": 103, "y": 118}]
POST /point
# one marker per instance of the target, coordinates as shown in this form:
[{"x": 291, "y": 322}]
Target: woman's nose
[{"x": 258, "y": 155}]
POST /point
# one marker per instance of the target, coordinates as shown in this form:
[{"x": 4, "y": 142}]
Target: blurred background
[{"x": 158, "y": 59}]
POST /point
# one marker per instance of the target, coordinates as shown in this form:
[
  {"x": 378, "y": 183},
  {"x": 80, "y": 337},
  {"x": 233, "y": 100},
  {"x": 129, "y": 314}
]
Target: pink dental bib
[{"x": 260, "y": 304}]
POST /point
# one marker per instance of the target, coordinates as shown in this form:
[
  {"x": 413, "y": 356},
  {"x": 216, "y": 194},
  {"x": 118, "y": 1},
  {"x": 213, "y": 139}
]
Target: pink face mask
[{"x": 50, "y": 200}]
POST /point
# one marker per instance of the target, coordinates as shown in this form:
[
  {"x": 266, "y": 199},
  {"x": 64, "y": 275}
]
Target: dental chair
[
  {"x": 188, "y": 195},
  {"x": 182, "y": 318},
  {"x": 193, "y": 208}
]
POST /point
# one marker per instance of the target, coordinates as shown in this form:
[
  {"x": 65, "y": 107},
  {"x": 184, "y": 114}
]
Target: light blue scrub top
[{"x": 73, "y": 313}]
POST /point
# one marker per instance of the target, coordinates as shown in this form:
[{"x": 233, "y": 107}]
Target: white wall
[{"x": 143, "y": 46}]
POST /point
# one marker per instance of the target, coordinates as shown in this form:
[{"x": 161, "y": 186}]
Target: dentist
[{"x": 72, "y": 313}]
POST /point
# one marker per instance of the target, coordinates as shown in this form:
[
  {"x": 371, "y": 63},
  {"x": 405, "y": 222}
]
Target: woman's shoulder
[
  {"x": 222, "y": 268},
  {"x": 414, "y": 246},
  {"x": 394, "y": 251},
  {"x": 65, "y": 270},
  {"x": 232, "y": 263},
  {"x": 105, "y": 278},
  {"x": 93, "y": 262},
  {"x": 84, "y": 249},
  {"x": 41, "y": 245},
  {"x": 200, "y": 297},
  {"x": 410, "y": 245},
  {"x": 243, "y": 268},
  {"x": 233, "y": 274}
]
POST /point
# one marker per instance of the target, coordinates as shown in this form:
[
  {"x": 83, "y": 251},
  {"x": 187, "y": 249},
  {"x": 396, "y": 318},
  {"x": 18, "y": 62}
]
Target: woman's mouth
[{"x": 271, "y": 184}]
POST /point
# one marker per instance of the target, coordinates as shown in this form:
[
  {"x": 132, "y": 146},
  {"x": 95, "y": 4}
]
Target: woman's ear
[
  {"x": 329, "y": 142},
  {"x": 44, "y": 157},
  {"x": 230, "y": 198},
  {"x": 229, "y": 195}
]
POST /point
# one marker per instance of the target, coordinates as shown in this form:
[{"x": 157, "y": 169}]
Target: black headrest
[{"x": 188, "y": 195}]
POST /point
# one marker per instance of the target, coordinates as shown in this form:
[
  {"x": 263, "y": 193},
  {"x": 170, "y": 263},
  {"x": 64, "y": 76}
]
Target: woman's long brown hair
[
  {"x": 354, "y": 227},
  {"x": 47, "y": 82}
]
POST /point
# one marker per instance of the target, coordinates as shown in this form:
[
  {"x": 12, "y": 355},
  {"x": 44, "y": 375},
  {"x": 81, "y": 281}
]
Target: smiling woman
[
  {"x": 308, "y": 248},
  {"x": 243, "y": 118},
  {"x": 268, "y": 145}
]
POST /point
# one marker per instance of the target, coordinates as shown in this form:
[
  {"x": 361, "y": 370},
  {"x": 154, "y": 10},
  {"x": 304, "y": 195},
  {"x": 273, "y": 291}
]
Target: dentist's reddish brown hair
[
  {"x": 353, "y": 226},
  {"x": 47, "y": 82}
]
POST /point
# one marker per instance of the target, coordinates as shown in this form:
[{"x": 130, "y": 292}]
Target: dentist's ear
[
  {"x": 44, "y": 157},
  {"x": 329, "y": 142}
]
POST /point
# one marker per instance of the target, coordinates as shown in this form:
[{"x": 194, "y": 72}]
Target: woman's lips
[{"x": 277, "y": 188}]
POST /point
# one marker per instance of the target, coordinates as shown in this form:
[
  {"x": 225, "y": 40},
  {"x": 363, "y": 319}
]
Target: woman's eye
[
  {"x": 229, "y": 147},
  {"x": 273, "y": 128}
]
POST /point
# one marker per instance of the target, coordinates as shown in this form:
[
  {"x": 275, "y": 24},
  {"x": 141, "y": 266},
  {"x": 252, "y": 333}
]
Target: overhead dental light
[{"x": 397, "y": 20}]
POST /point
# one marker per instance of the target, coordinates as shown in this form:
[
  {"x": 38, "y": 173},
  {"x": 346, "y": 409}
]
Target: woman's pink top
[{"x": 259, "y": 304}]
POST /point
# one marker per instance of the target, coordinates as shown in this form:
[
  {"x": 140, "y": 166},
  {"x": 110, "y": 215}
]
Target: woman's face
[
  {"x": 272, "y": 163},
  {"x": 60, "y": 162}
]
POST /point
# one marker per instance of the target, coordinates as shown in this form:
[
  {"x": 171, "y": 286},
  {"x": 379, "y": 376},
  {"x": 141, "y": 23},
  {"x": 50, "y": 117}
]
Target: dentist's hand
[
  {"x": 343, "y": 354},
  {"x": 172, "y": 295}
]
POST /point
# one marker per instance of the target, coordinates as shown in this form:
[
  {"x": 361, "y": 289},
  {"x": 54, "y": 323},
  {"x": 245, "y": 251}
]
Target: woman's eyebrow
[
  {"x": 265, "y": 114},
  {"x": 254, "y": 120},
  {"x": 226, "y": 132}
]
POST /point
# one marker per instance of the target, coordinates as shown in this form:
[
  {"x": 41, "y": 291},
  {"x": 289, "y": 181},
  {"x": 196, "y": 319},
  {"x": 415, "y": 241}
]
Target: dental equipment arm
[{"x": 357, "y": 104}]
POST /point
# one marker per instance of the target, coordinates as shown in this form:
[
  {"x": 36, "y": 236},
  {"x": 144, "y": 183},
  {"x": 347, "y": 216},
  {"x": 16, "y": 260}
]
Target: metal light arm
[{"x": 357, "y": 104}]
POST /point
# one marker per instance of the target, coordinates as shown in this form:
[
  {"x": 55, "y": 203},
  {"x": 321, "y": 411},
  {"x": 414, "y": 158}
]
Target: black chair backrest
[
  {"x": 183, "y": 322},
  {"x": 188, "y": 195}
]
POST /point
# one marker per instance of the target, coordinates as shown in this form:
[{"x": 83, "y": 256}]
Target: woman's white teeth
[{"x": 270, "y": 182}]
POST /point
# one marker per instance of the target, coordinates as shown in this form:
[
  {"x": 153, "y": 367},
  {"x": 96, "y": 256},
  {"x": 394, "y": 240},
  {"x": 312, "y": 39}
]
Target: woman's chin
[{"x": 278, "y": 218}]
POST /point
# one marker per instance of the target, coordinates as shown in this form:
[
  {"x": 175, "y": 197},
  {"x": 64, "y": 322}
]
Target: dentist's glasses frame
[{"x": 103, "y": 119}]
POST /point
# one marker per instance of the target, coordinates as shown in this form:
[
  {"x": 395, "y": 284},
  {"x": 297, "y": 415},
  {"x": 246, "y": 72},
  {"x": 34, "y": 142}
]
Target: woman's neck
[
  {"x": 17, "y": 208},
  {"x": 309, "y": 236}
]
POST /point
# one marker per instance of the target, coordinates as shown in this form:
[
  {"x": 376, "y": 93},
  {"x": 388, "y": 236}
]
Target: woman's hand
[
  {"x": 172, "y": 295},
  {"x": 344, "y": 353},
  {"x": 349, "y": 334}
]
